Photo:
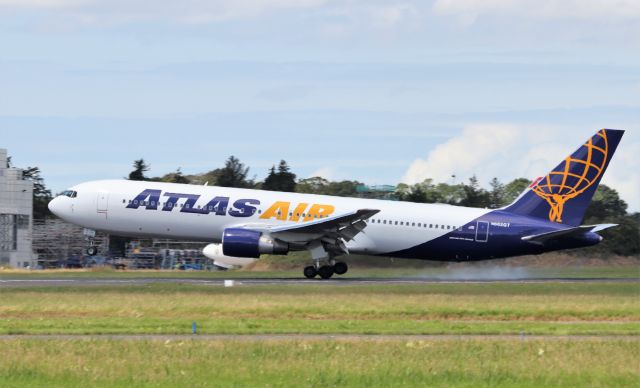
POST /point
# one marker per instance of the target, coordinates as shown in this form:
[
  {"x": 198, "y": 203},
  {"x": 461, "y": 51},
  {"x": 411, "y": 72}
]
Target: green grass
[
  {"x": 495, "y": 308},
  {"x": 471, "y": 363}
]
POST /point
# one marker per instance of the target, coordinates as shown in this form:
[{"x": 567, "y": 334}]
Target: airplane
[{"x": 240, "y": 225}]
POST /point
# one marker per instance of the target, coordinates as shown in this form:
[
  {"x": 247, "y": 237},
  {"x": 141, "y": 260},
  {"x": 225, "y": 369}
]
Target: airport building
[{"x": 16, "y": 216}]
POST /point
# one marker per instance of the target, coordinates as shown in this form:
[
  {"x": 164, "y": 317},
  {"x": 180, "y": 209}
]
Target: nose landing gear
[
  {"x": 89, "y": 236},
  {"x": 92, "y": 250}
]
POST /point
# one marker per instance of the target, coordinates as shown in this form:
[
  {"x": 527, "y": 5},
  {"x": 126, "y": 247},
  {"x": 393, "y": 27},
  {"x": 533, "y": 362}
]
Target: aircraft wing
[
  {"x": 577, "y": 231},
  {"x": 331, "y": 232}
]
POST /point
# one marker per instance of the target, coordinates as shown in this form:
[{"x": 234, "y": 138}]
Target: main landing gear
[{"x": 326, "y": 271}]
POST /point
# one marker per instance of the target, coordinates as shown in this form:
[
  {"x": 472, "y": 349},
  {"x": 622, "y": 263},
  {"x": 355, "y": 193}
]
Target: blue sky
[{"x": 379, "y": 91}]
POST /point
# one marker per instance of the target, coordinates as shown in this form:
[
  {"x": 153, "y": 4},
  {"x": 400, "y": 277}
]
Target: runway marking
[{"x": 316, "y": 337}]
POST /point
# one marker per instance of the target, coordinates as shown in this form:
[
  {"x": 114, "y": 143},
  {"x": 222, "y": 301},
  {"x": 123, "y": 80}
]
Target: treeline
[
  {"x": 606, "y": 207},
  {"x": 41, "y": 195}
]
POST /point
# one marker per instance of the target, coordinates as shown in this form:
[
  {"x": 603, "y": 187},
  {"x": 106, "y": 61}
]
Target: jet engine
[
  {"x": 214, "y": 252},
  {"x": 240, "y": 242}
]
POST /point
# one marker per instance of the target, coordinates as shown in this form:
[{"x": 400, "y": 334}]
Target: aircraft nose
[{"x": 55, "y": 206}]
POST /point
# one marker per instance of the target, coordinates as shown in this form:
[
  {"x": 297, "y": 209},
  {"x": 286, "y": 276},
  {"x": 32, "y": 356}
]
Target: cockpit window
[{"x": 70, "y": 193}]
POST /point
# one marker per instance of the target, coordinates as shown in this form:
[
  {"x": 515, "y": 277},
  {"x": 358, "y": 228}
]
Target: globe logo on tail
[{"x": 574, "y": 175}]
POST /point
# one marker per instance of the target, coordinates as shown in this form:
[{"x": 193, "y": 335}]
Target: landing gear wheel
[
  {"x": 92, "y": 251},
  {"x": 340, "y": 268},
  {"x": 310, "y": 272},
  {"x": 325, "y": 272}
]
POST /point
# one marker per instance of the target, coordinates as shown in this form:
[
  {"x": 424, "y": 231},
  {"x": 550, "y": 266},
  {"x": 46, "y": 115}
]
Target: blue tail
[{"x": 565, "y": 193}]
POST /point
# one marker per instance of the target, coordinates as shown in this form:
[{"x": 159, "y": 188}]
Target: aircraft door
[
  {"x": 482, "y": 231},
  {"x": 103, "y": 202}
]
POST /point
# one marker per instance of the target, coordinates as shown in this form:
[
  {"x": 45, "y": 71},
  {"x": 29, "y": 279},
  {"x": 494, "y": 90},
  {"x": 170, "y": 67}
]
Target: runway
[{"x": 8, "y": 282}]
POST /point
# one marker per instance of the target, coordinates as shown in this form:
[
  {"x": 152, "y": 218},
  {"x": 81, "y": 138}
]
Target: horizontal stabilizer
[{"x": 578, "y": 231}]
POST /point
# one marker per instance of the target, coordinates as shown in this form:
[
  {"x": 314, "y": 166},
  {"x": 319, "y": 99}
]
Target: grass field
[
  {"x": 598, "y": 309},
  {"x": 477, "y": 363},
  {"x": 494, "y": 308}
]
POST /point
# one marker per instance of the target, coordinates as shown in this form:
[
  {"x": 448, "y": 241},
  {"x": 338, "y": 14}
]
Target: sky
[{"x": 377, "y": 91}]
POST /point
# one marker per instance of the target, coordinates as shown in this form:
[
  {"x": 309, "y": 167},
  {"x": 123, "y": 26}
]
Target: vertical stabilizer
[{"x": 564, "y": 194}]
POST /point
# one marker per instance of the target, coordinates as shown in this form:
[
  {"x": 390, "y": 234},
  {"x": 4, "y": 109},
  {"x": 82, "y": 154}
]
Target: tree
[
  {"x": 451, "y": 194},
  {"x": 343, "y": 188},
  {"x": 513, "y": 189},
  {"x": 233, "y": 174},
  {"x": 139, "y": 168},
  {"x": 415, "y": 194},
  {"x": 283, "y": 180},
  {"x": 606, "y": 204},
  {"x": 496, "y": 195},
  {"x": 286, "y": 177},
  {"x": 474, "y": 195},
  {"x": 271, "y": 181},
  {"x": 41, "y": 195},
  {"x": 315, "y": 185},
  {"x": 425, "y": 192},
  {"x": 176, "y": 177}
]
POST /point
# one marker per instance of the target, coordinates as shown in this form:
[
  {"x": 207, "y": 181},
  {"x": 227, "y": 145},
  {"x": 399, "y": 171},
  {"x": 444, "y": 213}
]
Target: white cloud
[
  {"x": 465, "y": 155},
  {"x": 595, "y": 10},
  {"x": 513, "y": 151}
]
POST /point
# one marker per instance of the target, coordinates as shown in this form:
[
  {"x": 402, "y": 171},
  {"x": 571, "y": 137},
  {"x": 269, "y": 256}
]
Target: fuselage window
[
  {"x": 124, "y": 201},
  {"x": 384, "y": 222},
  {"x": 135, "y": 201},
  {"x": 442, "y": 226},
  {"x": 414, "y": 224}
]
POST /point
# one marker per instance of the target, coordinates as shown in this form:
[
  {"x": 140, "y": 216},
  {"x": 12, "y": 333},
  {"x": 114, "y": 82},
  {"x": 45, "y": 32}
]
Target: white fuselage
[{"x": 190, "y": 212}]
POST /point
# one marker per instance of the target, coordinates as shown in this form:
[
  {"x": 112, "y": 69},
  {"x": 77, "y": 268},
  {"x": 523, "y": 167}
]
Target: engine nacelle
[
  {"x": 214, "y": 252},
  {"x": 240, "y": 242}
]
